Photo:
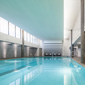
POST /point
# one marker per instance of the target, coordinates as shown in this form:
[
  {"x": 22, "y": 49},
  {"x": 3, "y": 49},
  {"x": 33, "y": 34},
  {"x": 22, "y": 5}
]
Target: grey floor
[{"x": 78, "y": 59}]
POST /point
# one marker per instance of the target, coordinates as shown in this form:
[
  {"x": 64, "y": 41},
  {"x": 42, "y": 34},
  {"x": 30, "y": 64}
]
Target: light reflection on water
[{"x": 42, "y": 71}]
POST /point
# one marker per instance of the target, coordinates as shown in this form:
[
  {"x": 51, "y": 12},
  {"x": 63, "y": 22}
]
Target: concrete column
[
  {"x": 22, "y": 46},
  {"x": 71, "y": 44},
  {"x": 38, "y": 51},
  {"x": 8, "y": 28},
  {"x": 62, "y": 48},
  {"x": 72, "y": 51},
  {"x": 82, "y": 33},
  {"x": 43, "y": 48}
]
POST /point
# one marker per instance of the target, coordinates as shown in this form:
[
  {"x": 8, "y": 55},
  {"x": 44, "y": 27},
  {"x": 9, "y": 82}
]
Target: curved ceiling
[{"x": 41, "y": 18}]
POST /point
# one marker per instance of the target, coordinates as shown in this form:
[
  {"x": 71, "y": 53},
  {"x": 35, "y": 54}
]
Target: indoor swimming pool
[{"x": 41, "y": 71}]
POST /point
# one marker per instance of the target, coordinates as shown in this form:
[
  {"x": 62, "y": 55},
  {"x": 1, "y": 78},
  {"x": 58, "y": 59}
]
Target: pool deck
[
  {"x": 17, "y": 57},
  {"x": 78, "y": 59},
  {"x": 10, "y": 58}
]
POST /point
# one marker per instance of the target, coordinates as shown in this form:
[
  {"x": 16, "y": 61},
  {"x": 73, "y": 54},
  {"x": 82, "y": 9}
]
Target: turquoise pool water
[{"x": 41, "y": 71}]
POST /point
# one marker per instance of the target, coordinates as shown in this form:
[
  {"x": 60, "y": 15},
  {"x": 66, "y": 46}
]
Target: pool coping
[
  {"x": 17, "y": 58},
  {"x": 30, "y": 57},
  {"x": 82, "y": 64}
]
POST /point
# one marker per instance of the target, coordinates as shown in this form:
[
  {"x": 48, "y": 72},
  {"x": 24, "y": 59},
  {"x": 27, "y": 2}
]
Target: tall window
[
  {"x": 11, "y": 29},
  {"x": 36, "y": 42},
  {"x": 28, "y": 39},
  {"x": 18, "y": 32},
  {"x": 31, "y": 38},
  {"x": 3, "y": 26},
  {"x": 41, "y": 43},
  {"x": 25, "y": 36},
  {"x": 6, "y": 28}
]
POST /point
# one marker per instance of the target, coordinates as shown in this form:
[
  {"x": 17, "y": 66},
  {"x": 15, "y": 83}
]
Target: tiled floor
[
  {"x": 78, "y": 59},
  {"x": 11, "y": 58},
  {"x": 8, "y": 58},
  {"x": 15, "y": 58}
]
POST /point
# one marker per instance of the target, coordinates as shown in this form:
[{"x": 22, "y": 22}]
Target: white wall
[
  {"x": 77, "y": 28},
  {"x": 8, "y": 38},
  {"x": 66, "y": 45},
  {"x": 75, "y": 35}
]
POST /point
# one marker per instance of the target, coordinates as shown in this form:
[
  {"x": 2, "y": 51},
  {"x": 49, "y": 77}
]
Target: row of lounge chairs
[{"x": 54, "y": 54}]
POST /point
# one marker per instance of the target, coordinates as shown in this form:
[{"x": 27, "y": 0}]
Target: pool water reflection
[{"x": 41, "y": 71}]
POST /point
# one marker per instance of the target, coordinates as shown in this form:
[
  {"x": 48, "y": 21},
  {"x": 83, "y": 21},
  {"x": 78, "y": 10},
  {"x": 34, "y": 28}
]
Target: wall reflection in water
[
  {"x": 45, "y": 71},
  {"x": 23, "y": 76}
]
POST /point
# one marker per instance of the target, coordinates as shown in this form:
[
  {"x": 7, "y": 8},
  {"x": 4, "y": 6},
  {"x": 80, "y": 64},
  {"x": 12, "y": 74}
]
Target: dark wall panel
[{"x": 51, "y": 48}]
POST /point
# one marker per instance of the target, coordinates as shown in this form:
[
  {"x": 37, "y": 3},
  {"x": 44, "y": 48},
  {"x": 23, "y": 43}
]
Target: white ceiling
[
  {"x": 41, "y": 18},
  {"x": 71, "y": 11}
]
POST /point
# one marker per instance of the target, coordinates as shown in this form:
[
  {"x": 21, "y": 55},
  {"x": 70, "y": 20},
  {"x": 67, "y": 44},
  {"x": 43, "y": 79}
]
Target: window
[
  {"x": 18, "y": 32},
  {"x": 36, "y": 41},
  {"x": 31, "y": 38},
  {"x": 3, "y": 26},
  {"x": 40, "y": 43},
  {"x": 25, "y": 36},
  {"x": 28, "y": 37},
  {"x": 11, "y": 29}
]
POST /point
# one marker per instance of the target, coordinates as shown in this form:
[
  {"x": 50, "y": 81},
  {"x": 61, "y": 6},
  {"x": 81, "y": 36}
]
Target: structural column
[
  {"x": 72, "y": 50},
  {"x": 72, "y": 47},
  {"x": 22, "y": 46},
  {"x": 43, "y": 48},
  {"x": 82, "y": 33},
  {"x": 62, "y": 48},
  {"x": 38, "y": 51}
]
